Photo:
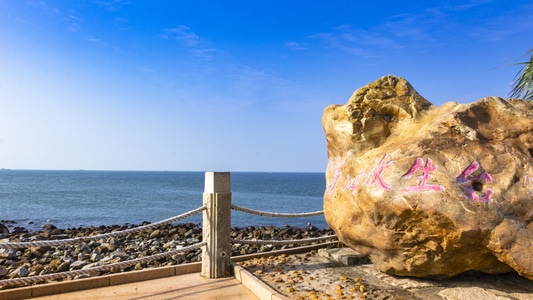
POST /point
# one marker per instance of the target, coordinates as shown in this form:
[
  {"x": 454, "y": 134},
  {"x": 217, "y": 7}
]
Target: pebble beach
[
  {"x": 42, "y": 260},
  {"x": 327, "y": 273}
]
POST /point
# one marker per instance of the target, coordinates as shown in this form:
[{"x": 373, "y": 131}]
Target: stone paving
[{"x": 343, "y": 274}]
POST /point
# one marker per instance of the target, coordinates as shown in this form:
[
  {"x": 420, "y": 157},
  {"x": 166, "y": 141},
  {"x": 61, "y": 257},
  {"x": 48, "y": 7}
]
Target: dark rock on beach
[{"x": 3, "y": 229}]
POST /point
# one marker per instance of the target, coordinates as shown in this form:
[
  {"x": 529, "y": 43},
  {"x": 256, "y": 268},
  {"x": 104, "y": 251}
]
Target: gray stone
[
  {"x": 78, "y": 265},
  {"x": 20, "y": 272}
]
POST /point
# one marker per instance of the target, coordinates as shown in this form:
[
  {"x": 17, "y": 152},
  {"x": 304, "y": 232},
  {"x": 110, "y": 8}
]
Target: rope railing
[
  {"x": 280, "y": 215},
  {"x": 284, "y": 242},
  {"x": 18, "y": 245},
  {"x": 103, "y": 268},
  {"x": 277, "y": 215}
]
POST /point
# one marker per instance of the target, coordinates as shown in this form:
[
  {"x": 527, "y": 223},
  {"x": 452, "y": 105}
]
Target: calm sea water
[{"x": 84, "y": 198}]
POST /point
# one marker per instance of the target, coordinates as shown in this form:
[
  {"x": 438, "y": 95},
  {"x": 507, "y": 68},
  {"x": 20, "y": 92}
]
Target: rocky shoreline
[{"x": 35, "y": 261}]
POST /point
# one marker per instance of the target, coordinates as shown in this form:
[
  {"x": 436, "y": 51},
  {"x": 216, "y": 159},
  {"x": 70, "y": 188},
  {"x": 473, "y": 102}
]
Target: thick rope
[
  {"x": 100, "y": 236},
  {"x": 109, "y": 267},
  {"x": 283, "y": 242},
  {"x": 278, "y": 215}
]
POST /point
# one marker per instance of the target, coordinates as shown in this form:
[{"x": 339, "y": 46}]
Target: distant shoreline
[{"x": 15, "y": 227}]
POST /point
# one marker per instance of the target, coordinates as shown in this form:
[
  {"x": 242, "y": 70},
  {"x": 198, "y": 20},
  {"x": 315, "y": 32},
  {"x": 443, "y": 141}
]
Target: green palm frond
[{"x": 523, "y": 81}]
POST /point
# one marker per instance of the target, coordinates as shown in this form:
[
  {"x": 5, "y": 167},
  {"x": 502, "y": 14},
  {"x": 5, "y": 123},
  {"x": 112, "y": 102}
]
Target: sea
[{"x": 72, "y": 199}]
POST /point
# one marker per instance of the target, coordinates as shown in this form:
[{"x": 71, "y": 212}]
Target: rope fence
[
  {"x": 280, "y": 215},
  {"x": 277, "y": 215},
  {"x": 216, "y": 244},
  {"x": 103, "y": 268},
  {"x": 284, "y": 242},
  {"x": 19, "y": 245}
]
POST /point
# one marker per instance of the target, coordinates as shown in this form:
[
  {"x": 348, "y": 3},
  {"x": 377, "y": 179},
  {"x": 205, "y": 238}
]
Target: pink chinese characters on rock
[
  {"x": 426, "y": 169},
  {"x": 474, "y": 185},
  {"x": 370, "y": 178},
  {"x": 335, "y": 181},
  {"x": 353, "y": 183},
  {"x": 472, "y": 179},
  {"x": 374, "y": 175}
]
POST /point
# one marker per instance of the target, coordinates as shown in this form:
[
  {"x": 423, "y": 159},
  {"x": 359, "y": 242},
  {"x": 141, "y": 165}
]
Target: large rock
[{"x": 431, "y": 191}]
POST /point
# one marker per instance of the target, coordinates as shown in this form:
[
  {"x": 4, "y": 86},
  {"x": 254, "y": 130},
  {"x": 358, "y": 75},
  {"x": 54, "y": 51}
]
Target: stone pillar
[{"x": 216, "y": 225}]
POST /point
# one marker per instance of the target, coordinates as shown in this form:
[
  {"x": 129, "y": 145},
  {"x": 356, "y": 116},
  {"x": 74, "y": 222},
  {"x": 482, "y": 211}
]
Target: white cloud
[
  {"x": 341, "y": 41},
  {"x": 432, "y": 27},
  {"x": 95, "y": 40},
  {"x": 112, "y": 5},
  {"x": 91, "y": 39},
  {"x": 504, "y": 25},
  {"x": 295, "y": 46},
  {"x": 185, "y": 36},
  {"x": 44, "y": 6},
  {"x": 73, "y": 23}
]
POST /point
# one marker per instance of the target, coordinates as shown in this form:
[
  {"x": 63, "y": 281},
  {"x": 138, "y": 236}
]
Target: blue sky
[{"x": 229, "y": 85}]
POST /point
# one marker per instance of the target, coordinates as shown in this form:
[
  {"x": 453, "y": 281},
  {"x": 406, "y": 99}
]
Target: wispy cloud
[
  {"x": 186, "y": 37},
  {"x": 45, "y": 7},
  {"x": 91, "y": 39},
  {"x": 251, "y": 87},
  {"x": 346, "y": 39},
  {"x": 95, "y": 40},
  {"x": 467, "y": 5},
  {"x": 504, "y": 25},
  {"x": 69, "y": 17},
  {"x": 394, "y": 34},
  {"x": 73, "y": 23},
  {"x": 110, "y": 5},
  {"x": 295, "y": 46},
  {"x": 436, "y": 26},
  {"x": 184, "y": 34}
]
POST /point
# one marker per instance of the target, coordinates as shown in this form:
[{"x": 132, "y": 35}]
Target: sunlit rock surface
[{"x": 431, "y": 191}]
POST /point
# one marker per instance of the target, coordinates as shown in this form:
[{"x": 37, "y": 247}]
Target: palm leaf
[{"x": 523, "y": 81}]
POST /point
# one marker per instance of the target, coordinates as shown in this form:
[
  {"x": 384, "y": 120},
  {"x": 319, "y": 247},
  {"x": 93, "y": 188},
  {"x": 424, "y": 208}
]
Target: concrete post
[{"x": 216, "y": 225}]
